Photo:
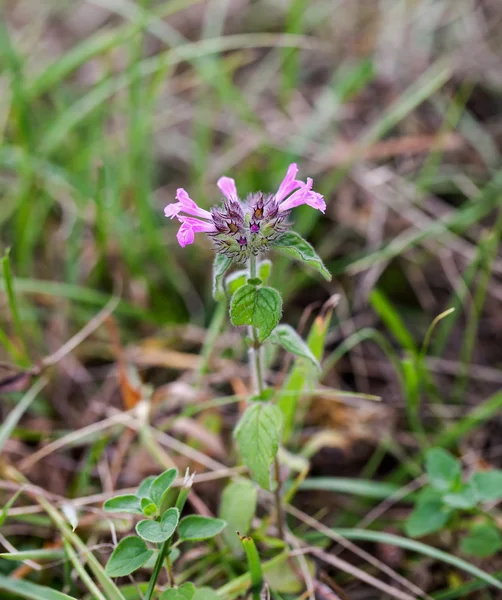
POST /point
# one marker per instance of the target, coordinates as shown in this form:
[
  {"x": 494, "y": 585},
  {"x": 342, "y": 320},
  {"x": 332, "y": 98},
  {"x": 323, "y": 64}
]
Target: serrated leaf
[
  {"x": 488, "y": 485},
  {"x": 293, "y": 244},
  {"x": 159, "y": 531},
  {"x": 289, "y": 339},
  {"x": 482, "y": 541},
  {"x": 130, "y": 554},
  {"x": 161, "y": 485},
  {"x": 427, "y": 517},
  {"x": 443, "y": 469},
  {"x": 184, "y": 592},
  {"x": 258, "y": 307},
  {"x": 144, "y": 487},
  {"x": 221, "y": 265},
  {"x": 258, "y": 435},
  {"x": 197, "y": 527},
  {"x": 127, "y": 504},
  {"x": 238, "y": 507}
]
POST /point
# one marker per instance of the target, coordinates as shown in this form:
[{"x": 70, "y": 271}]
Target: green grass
[{"x": 99, "y": 124}]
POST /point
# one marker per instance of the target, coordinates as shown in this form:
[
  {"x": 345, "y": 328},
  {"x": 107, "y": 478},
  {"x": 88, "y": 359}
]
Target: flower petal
[
  {"x": 185, "y": 204},
  {"x": 185, "y": 235},
  {"x": 289, "y": 183},
  {"x": 227, "y": 188},
  {"x": 304, "y": 195}
]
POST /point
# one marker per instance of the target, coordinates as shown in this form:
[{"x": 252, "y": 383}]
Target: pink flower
[
  {"x": 189, "y": 225},
  {"x": 228, "y": 189},
  {"x": 238, "y": 228},
  {"x": 302, "y": 195},
  {"x": 187, "y": 205}
]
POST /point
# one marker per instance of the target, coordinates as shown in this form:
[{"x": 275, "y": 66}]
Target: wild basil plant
[{"x": 243, "y": 232}]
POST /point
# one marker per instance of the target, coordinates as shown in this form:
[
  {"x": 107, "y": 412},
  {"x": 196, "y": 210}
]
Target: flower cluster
[{"x": 242, "y": 228}]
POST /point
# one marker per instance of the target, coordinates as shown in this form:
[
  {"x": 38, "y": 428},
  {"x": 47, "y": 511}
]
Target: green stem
[{"x": 156, "y": 570}]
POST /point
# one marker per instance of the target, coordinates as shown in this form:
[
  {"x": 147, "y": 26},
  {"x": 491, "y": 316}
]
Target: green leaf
[
  {"x": 239, "y": 278},
  {"x": 293, "y": 244},
  {"x": 130, "y": 554},
  {"x": 159, "y": 531},
  {"x": 482, "y": 541},
  {"x": 145, "y": 486},
  {"x": 467, "y": 497},
  {"x": 290, "y": 340},
  {"x": 427, "y": 517},
  {"x": 238, "y": 507},
  {"x": 149, "y": 508},
  {"x": 31, "y": 591},
  {"x": 220, "y": 266},
  {"x": 259, "y": 307},
  {"x": 443, "y": 469},
  {"x": 258, "y": 435},
  {"x": 184, "y": 592},
  {"x": 161, "y": 485},
  {"x": 205, "y": 593},
  {"x": 128, "y": 504},
  {"x": 488, "y": 485},
  {"x": 197, "y": 527}
]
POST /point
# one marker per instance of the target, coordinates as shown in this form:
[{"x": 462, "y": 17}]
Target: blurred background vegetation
[{"x": 392, "y": 106}]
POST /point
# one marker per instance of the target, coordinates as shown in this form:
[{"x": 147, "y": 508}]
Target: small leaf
[
  {"x": 259, "y": 307},
  {"x": 426, "y": 518},
  {"x": 159, "y": 531},
  {"x": 488, "y": 485},
  {"x": 258, "y": 435},
  {"x": 149, "y": 508},
  {"x": 130, "y": 554},
  {"x": 466, "y": 497},
  {"x": 482, "y": 541},
  {"x": 184, "y": 592},
  {"x": 293, "y": 244},
  {"x": 220, "y": 266},
  {"x": 205, "y": 593},
  {"x": 162, "y": 484},
  {"x": 197, "y": 527},
  {"x": 238, "y": 507},
  {"x": 292, "y": 342},
  {"x": 443, "y": 469},
  {"x": 145, "y": 485},
  {"x": 128, "y": 504}
]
